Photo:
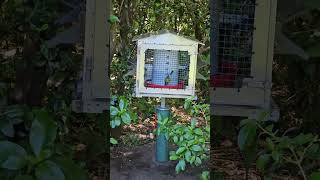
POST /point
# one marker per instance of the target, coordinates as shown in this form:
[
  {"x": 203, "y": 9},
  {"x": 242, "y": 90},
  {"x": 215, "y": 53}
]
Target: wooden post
[{"x": 95, "y": 79}]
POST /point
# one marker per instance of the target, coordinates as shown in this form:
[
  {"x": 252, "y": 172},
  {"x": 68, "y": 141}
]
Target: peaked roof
[{"x": 162, "y": 32}]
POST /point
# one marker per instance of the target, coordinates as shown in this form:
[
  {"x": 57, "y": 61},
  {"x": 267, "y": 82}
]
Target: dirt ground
[{"x": 139, "y": 164}]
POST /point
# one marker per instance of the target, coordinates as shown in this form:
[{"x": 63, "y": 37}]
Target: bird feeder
[
  {"x": 166, "y": 65},
  {"x": 166, "y": 68},
  {"x": 242, "y": 44}
]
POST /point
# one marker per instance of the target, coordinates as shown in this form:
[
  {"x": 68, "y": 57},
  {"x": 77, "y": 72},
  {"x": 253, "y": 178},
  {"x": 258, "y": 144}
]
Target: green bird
[{"x": 167, "y": 80}]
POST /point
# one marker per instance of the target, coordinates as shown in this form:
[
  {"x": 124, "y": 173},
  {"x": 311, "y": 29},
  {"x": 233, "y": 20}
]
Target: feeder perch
[{"x": 242, "y": 41}]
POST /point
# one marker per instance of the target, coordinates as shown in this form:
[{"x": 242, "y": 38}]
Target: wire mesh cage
[
  {"x": 166, "y": 65},
  {"x": 236, "y": 27},
  {"x": 242, "y": 44},
  {"x": 166, "y": 69}
]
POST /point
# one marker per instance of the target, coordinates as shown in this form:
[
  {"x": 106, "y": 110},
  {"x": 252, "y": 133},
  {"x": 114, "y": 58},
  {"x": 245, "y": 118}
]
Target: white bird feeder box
[{"x": 166, "y": 65}]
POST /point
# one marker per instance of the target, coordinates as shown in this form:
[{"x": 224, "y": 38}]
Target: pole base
[{"x": 162, "y": 150}]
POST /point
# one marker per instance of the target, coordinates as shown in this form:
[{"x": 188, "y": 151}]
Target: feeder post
[
  {"x": 162, "y": 151},
  {"x": 163, "y": 102}
]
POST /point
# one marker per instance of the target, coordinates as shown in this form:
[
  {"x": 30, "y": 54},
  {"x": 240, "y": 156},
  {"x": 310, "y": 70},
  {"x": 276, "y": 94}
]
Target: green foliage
[
  {"x": 43, "y": 132},
  {"x": 278, "y": 149},
  {"x": 314, "y": 176},
  {"x": 192, "y": 145},
  {"x": 164, "y": 125},
  {"x": 9, "y": 117},
  {"x": 43, "y": 163},
  {"x": 192, "y": 141},
  {"x": 197, "y": 109},
  {"x": 120, "y": 113},
  {"x": 113, "y": 19},
  {"x": 205, "y": 175},
  {"x": 48, "y": 170},
  {"x": 113, "y": 141}
]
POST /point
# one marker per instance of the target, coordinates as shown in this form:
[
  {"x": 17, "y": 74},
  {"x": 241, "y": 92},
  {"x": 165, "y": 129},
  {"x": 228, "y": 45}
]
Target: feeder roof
[{"x": 166, "y": 37}]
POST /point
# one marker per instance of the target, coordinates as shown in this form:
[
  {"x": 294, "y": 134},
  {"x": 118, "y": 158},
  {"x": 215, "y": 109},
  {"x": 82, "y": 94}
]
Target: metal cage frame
[{"x": 255, "y": 94}]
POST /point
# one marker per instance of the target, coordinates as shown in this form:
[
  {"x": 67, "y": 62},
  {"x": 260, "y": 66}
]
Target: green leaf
[
  {"x": 117, "y": 121},
  {"x": 276, "y": 156},
  {"x": 198, "y": 131},
  {"x": 263, "y": 116},
  {"x": 165, "y": 121},
  {"x": 71, "y": 170},
  {"x": 270, "y": 128},
  {"x": 180, "y": 166},
  {"x": 24, "y": 177},
  {"x": 205, "y": 175},
  {"x": 196, "y": 148},
  {"x": 43, "y": 131},
  {"x": 180, "y": 150},
  {"x": 246, "y": 121},
  {"x": 262, "y": 161},
  {"x": 247, "y": 135},
  {"x": 313, "y": 152},
  {"x": 314, "y": 176},
  {"x": 174, "y": 157},
  {"x": 188, "y": 156},
  {"x": 6, "y": 128},
  {"x": 193, "y": 122},
  {"x": 49, "y": 170},
  {"x": 302, "y": 139},
  {"x": 126, "y": 118},
  {"x": 270, "y": 144},
  {"x": 113, "y": 110},
  {"x": 175, "y": 139},
  {"x": 198, "y": 161},
  {"x": 122, "y": 104},
  {"x": 187, "y": 104},
  {"x": 113, "y": 141},
  {"x": 12, "y": 156},
  {"x": 113, "y": 19},
  {"x": 14, "y": 163},
  {"x": 112, "y": 124},
  {"x": 193, "y": 158}
]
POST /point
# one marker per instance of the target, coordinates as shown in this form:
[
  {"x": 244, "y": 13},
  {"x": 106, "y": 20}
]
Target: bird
[{"x": 167, "y": 80}]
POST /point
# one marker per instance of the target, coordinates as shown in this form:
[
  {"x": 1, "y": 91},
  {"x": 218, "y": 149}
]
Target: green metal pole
[{"x": 162, "y": 151}]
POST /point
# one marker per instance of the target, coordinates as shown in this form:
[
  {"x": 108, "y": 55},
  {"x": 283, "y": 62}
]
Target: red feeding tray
[
  {"x": 227, "y": 78},
  {"x": 180, "y": 85},
  {"x": 222, "y": 80}
]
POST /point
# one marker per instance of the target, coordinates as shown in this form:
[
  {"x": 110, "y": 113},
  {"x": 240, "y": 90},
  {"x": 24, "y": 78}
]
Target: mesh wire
[
  {"x": 166, "y": 69},
  {"x": 236, "y": 26}
]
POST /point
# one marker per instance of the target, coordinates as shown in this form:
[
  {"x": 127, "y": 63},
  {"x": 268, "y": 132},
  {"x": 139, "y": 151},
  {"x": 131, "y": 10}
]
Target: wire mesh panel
[
  {"x": 236, "y": 26},
  {"x": 166, "y": 69}
]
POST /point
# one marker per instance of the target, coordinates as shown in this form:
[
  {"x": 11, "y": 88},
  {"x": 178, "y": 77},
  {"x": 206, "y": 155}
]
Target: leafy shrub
[
  {"x": 278, "y": 150},
  {"x": 38, "y": 160},
  {"x": 192, "y": 141},
  {"x": 192, "y": 145},
  {"x": 120, "y": 114}
]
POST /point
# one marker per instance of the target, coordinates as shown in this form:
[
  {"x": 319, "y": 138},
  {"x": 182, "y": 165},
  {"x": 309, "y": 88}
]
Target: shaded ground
[
  {"x": 228, "y": 165},
  {"x": 139, "y": 164}
]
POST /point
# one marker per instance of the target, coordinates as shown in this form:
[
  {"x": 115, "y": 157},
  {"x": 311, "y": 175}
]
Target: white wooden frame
[{"x": 255, "y": 92}]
